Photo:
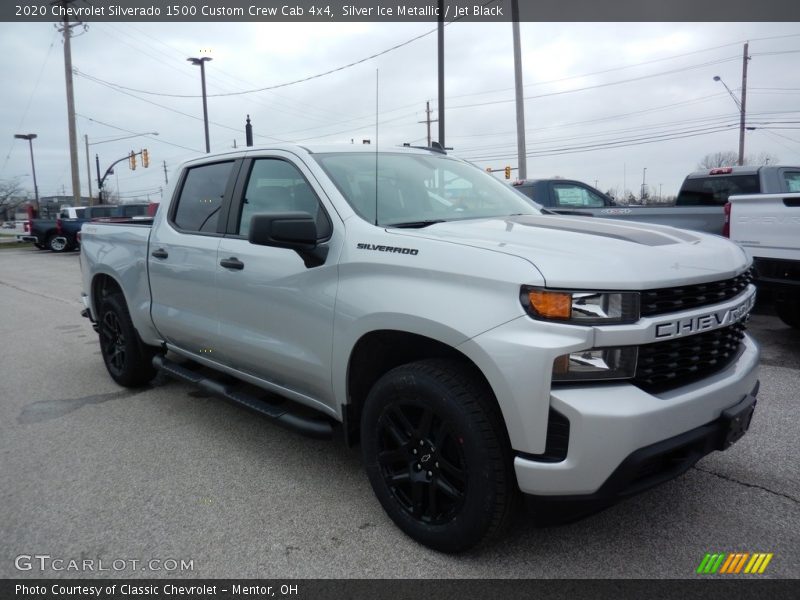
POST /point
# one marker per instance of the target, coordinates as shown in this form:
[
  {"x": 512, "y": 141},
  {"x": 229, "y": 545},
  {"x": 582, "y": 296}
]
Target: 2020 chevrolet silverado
[{"x": 474, "y": 347}]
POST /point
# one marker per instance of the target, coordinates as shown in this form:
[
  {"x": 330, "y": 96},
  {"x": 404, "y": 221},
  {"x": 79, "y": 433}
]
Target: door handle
[
  {"x": 232, "y": 263},
  {"x": 160, "y": 253}
]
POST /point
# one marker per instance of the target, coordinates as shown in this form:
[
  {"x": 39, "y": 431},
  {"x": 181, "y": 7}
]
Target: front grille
[
  {"x": 669, "y": 364},
  {"x": 667, "y": 300}
]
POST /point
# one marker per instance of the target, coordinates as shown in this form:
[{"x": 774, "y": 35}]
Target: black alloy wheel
[
  {"x": 127, "y": 359},
  {"x": 437, "y": 454},
  {"x": 422, "y": 462}
]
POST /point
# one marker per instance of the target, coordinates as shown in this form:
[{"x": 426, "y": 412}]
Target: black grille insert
[
  {"x": 669, "y": 364},
  {"x": 557, "y": 442},
  {"x": 667, "y": 300}
]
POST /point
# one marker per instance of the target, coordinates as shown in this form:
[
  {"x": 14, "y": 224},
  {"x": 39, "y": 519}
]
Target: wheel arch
[{"x": 377, "y": 352}]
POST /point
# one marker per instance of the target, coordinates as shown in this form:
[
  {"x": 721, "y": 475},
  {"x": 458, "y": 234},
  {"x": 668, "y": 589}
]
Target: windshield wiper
[{"x": 416, "y": 224}]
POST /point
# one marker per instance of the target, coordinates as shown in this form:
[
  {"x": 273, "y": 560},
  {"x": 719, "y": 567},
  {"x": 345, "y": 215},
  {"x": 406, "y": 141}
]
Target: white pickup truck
[
  {"x": 767, "y": 226},
  {"x": 474, "y": 346}
]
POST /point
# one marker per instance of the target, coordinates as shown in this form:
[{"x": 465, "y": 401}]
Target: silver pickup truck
[{"x": 474, "y": 347}]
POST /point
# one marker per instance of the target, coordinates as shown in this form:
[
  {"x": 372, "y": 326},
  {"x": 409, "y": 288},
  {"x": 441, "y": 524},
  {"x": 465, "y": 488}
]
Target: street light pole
[
  {"x": 97, "y": 160},
  {"x": 741, "y": 105},
  {"x": 201, "y": 63},
  {"x": 644, "y": 173},
  {"x": 30, "y": 137}
]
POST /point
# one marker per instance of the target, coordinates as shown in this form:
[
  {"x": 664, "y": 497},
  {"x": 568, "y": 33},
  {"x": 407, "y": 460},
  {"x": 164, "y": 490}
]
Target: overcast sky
[{"x": 587, "y": 85}]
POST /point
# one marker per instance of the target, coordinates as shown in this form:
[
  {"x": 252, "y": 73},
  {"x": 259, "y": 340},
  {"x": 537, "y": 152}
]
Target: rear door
[
  {"x": 182, "y": 257},
  {"x": 276, "y": 313}
]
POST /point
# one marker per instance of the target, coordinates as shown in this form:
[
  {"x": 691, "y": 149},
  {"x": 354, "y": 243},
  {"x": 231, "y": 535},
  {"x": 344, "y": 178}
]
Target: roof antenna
[{"x": 376, "y": 146}]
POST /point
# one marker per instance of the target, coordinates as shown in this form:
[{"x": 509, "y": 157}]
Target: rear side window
[
  {"x": 715, "y": 189},
  {"x": 201, "y": 197},
  {"x": 792, "y": 179}
]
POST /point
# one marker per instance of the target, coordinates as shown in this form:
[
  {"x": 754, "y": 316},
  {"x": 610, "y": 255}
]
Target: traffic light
[
  {"x": 132, "y": 161},
  {"x": 508, "y": 172},
  {"x": 145, "y": 159}
]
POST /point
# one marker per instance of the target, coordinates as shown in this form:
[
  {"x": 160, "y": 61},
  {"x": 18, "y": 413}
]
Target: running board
[{"x": 315, "y": 428}]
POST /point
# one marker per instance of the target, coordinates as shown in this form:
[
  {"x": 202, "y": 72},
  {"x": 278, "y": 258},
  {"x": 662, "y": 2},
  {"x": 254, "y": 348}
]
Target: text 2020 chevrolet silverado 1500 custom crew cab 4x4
[{"x": 475, "y": 347}]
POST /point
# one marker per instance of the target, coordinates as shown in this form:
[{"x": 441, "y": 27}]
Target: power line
[{"x": 270, "y": 87}]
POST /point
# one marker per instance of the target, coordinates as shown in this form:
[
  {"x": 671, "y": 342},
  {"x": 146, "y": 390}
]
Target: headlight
[
  {"x": 596, "y": 364},
  {"x": 581, "y": 307}
]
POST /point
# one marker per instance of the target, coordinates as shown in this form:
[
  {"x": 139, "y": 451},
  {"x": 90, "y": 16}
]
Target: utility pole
[
  {"x": 428, "y": 120},
  {"x": 440, "y": 47},
  {"x": 73, "y": 137},
  {"x": 166, "y": 181},
  {"x": 522, "y": 162},
  {"x": 742, "y": 113}
]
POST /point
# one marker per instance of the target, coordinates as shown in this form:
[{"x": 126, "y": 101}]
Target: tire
[
  {"x": 57, "y": 243},
  {"x": 437, "y": 454},
  {"x": 788, "y": 310},
  {"x": 127, "y": 359}
]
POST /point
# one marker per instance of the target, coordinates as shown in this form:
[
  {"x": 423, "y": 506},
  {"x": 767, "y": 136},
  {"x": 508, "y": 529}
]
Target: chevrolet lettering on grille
[{"x": 705, "y": 322}]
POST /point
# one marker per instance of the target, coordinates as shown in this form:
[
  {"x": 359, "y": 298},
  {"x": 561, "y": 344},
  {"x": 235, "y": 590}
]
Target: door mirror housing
[{"x": 293, "y": 230}]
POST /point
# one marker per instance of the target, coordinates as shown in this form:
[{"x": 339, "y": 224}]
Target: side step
[{"x": 315, "y": 428}]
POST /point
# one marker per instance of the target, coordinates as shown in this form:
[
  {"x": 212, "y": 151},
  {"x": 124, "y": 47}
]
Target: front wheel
[
  {"x": 127, "y": 359},
  {"x": 437, "y": 454}
]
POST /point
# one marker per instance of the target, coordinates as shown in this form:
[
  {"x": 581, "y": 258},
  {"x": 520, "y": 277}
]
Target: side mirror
[{"x": 293, "y": 230}]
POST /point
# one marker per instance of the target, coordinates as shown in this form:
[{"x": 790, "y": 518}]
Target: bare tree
[
  {"x": 763, "y": 158},
  {"x": 719, "y": 159},
  {"x": 731, "y": 159},
  {"x": 10, "y": 195}
]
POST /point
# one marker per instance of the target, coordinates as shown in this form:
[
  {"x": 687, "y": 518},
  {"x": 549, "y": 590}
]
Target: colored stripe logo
[{"x": 734, "y": 563}]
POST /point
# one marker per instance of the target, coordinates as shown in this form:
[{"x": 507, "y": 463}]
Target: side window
[
  {"x": 792, "y": 179},
  {"x": 134, "y": 211},
  {"x": 276, "y": 185},
  {"x": 98, "y": 212},
  {"x": 79, "y": 213},
  {"x": 201, "y": 197},
  {"x": 576, "y": 197}
]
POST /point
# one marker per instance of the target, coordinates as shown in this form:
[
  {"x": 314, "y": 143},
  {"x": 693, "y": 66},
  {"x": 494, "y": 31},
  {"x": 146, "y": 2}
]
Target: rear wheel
[
  {"x": 437, "y": 454},
  {"x": 127, "y": 359},
  {"x": 57, "y": 243}
]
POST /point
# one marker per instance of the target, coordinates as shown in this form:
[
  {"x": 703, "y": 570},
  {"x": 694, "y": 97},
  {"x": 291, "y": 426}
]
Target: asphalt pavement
[{"x": 168, "y": 482}]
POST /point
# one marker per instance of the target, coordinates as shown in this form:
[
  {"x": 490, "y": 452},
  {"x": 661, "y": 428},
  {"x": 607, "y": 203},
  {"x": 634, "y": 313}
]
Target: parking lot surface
[{"x": 92, "y": 471}]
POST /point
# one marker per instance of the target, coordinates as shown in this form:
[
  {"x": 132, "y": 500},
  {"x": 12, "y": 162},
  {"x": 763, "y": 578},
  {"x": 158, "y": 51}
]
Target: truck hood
[{"x": 584, "y": 253}]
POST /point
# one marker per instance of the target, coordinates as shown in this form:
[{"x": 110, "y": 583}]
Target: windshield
[{"x": 415, "y": 190}]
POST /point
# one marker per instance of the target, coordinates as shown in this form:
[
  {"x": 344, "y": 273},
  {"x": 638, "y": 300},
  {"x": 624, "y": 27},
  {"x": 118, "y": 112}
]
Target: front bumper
[
  {"x": 618, "y": 432},
  {"x": 657, "y": 463}
]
